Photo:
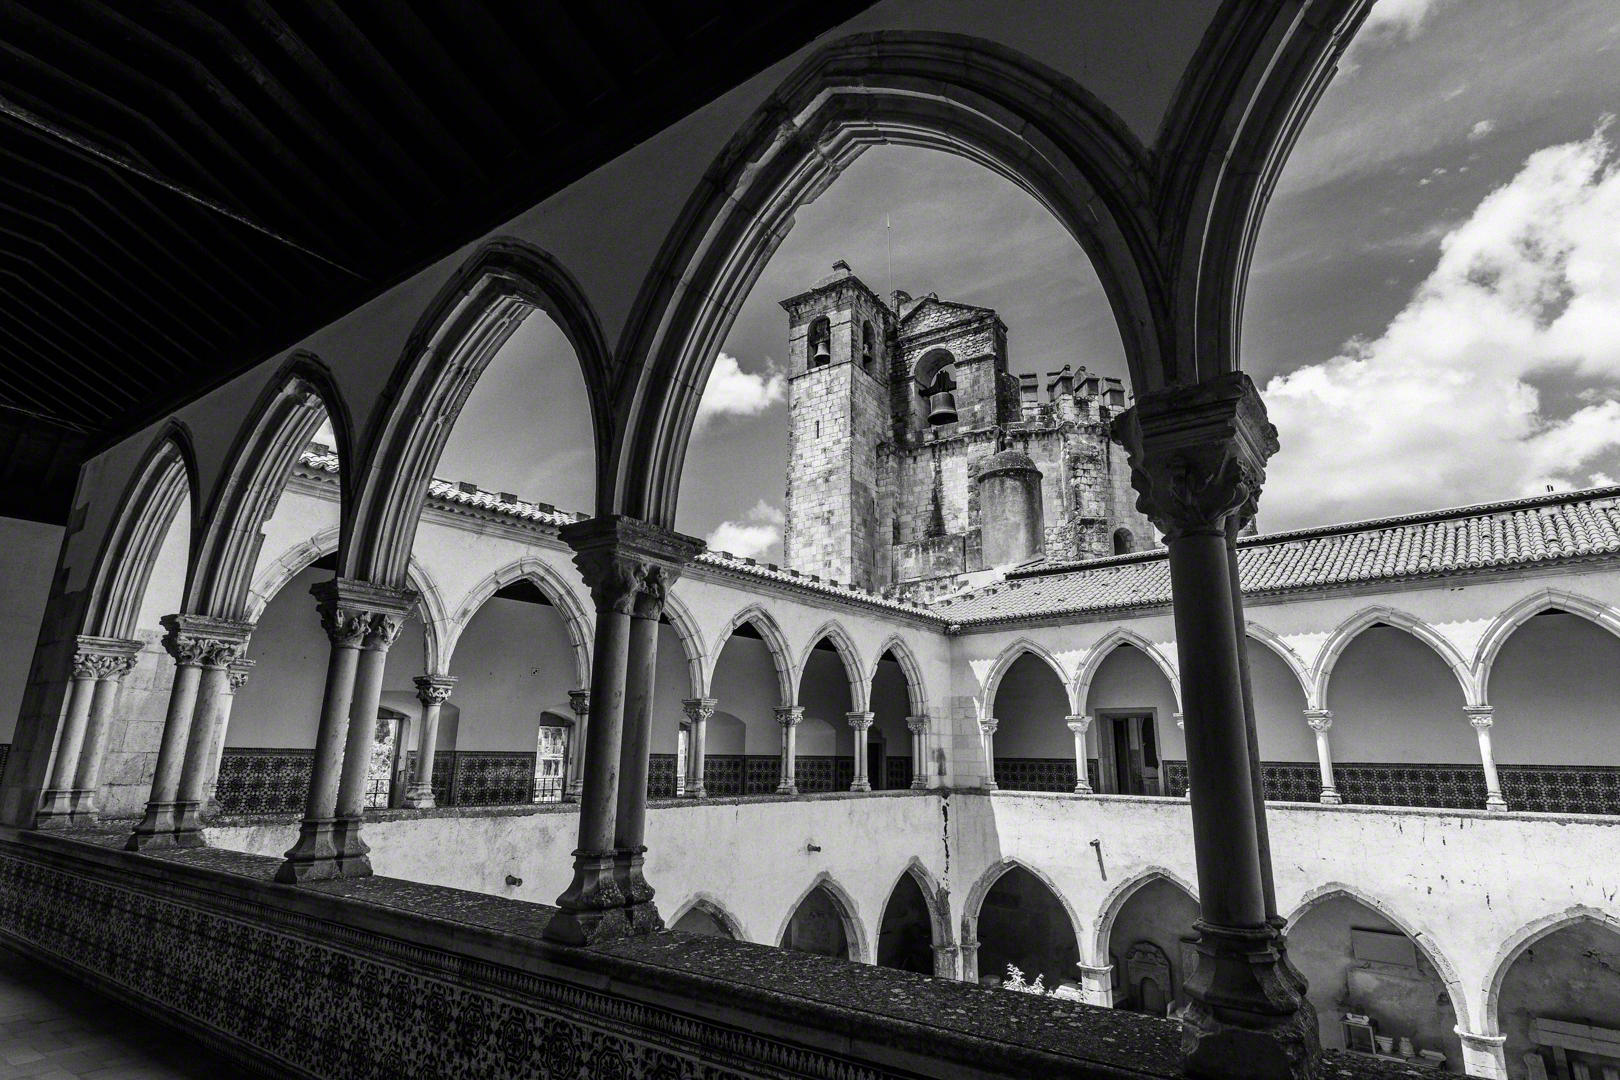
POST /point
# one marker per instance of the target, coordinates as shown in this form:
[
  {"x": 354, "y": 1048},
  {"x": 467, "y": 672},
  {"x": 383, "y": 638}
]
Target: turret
[{"x": 1011, "y": 523}]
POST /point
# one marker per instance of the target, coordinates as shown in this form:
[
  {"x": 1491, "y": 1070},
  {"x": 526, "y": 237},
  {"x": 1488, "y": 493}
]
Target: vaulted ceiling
[{"x": 188, "y": 187}]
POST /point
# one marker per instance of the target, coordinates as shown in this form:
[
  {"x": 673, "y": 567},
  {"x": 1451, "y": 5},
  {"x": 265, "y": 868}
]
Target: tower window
[
  {"x": 868, "y": 346},
  {"x": 820, "y": 343},
  {"x": 1124, "y": 542},
  {"x": 935, "y": 376}
]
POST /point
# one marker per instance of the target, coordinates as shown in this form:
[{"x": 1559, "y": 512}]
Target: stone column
[
  {"x": 1181, "y": 726},
  {"x": 1079, "y": 725},
  {"x": 98, "y": 664},
  {"x": 698, "y": 711},
  {"x": 1235, "y": 523},
  {"x": 389, "y": 608},
  {"x": 56, "y": 801},
  {"x": 195, "y": 642},
  {"x": 1320, "y": 720},
  {"x": 236, "y": 678},
  {"x": 1481, "y": 717},
  {"x": 1483, "y": 1055},
  {"x": 118, "y": 658},
  {"x": 789, "y": 716},
  {"x": 946, "y": 962},
  {"x": 969, "y": 949},
  {"x": 352, "y": 612},
  {"x": 580, "y": 702},
  {"x": 1097, "y": 985},
  {"x": 918, "y": 726},
  {"x": 1197, "y": 456},
  {"x": 987, "y": 732},
  {"x": 629, "y": 566},
  {"x": 432, "y": 691},
  {"x": 213, "y": 707},
  {"x": 861, "y": 722}
]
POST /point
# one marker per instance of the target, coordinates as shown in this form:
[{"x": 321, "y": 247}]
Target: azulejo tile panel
[
  {"x": 1035, "y": 774},
  {"x": 336, "y": 1002},
  {"x": 264, "y": 781}
]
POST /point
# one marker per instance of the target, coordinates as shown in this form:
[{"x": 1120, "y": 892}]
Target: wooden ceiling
[{"x": 187, "y": 187}]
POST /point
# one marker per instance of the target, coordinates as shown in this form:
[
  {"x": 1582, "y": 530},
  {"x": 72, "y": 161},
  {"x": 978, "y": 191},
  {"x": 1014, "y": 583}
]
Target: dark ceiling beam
[{"x": 481, "y": 47}]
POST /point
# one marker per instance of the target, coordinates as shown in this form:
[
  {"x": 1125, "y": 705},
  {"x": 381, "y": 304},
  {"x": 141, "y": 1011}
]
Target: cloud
[
  {"x": 734, "y": 392},
  {"x": 1480, "y": 130},
  {"x": 1403, "y": 17},
  {"x": 1440, "y": 409},
  {"x": 751, "y": 537}
]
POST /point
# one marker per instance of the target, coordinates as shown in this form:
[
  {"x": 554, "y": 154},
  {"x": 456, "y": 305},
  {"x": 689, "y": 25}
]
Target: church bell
[
  {"x": 942, "y": 407},
  {"x": 823, "y": 354}
]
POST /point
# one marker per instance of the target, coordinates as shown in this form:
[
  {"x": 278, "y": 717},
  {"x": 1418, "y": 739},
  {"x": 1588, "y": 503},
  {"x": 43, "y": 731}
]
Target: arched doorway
[
  {"x": 1131, "y": 703},
  {"x": 1033, "y": 743},
  {"x": 1359, "y": 963},
  {"x": 744, "y": 741},
  {"x": 818, "y": 925},
  {"x": 1023, "y": 924},
  {"x": 906, "y": 934},
  {"x": 1559, "y": 1001},
  {"x": 1150, "y": 961},
  {"x": 825, "y": 752}
]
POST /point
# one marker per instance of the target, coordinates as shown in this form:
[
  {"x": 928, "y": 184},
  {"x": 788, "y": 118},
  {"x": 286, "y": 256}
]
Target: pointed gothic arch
[
  {"x": 1288, "y": 656},
  {"x": 981, "y": 888},
  {"x": 1347, "y": 631},
  {"x": 916, "y": 688},
  {"x": 1006, "y": 658},
  {"x": 860, "y": 685},
  {"x": 848, "y": 913},
  {"x": 474, "y": 314},
  {"x": 936, "y": 895},
  {"x": 1502, "y": 629},
  {"x": 1080, "y": 692},
  {"x": 575, "y": 616},
  {"x": 268, "y": 446},
  {"x": 711, "y": 906},
  {"x": 691, "y": 638},
  {"x": 166, "y": 477},
  {"x": 1524, "y": 938},
  {"x": 775, "y": 643},
  {"x": 1108, "y": 911}
]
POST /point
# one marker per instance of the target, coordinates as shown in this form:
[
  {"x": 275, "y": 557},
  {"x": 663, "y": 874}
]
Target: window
[
  {"x": 820, "y": 343},
  {"x": 868, "y": 346},
  {"x": 1124, "y": 542}
]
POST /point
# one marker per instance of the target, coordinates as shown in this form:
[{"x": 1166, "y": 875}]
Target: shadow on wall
[
  {"x": 1024, "y": 924},
  {"x": 1569, "y": 977},
  {"x": 1145, "y": 947},
  {"x": 817, "y": 926}
]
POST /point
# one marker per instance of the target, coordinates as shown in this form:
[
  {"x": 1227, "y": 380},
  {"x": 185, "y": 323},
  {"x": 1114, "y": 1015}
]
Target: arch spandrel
[
  {"x": 1502, "y": 628},
  {"x": 916, "y": 687},
  {"x": 1288, "y": 656},
  {"x": 1006, "y": 658}
]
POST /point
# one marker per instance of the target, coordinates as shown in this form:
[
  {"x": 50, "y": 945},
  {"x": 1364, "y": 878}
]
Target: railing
[
  {"x": 549, "y": 788},
  {"x": 377, "y": 790}
]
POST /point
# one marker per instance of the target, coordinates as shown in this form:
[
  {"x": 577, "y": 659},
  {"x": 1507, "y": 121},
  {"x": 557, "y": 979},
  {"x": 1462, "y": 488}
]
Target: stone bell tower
[{"x": 839, "y": 335}]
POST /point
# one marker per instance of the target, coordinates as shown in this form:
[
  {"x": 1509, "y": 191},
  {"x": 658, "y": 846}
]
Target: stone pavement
[{"x": 52, "y": 1028}]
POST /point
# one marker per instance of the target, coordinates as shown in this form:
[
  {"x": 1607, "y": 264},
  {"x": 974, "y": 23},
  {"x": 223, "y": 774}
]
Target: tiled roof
[{"x": 1526, "y": 532}]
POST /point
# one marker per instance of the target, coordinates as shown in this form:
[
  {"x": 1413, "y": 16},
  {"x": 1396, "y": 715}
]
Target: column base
[
  {"x": 156, "y": 830},
  {"x": 353, "y": 853},
  {"x": 990, "y": 785},
  {"x": 84, "y": 807},
  {"x": 592, "y": 909},
  {"x": 1329, "y": 797},
  {"x": 56, "y": 809},
  {"x": 787, "y": 787},
  {"x": 861, "y": 785},
  {"x": 188, "y": 826},
  {"x": 1482, "y": 1055},
  {"x": 1496, "y": 803},
  {"x": 319, "y": 854},
  {"x": 919, "y": 783},
  {"x": 421, "y": 798},
  {"x": 1247, "y": 1018},
  {"x": 1083, "y": 788},
  {"x": 575, "y": 790},
  {"x": 696, "y": 790},
  {"x": 639, "y": 909}
]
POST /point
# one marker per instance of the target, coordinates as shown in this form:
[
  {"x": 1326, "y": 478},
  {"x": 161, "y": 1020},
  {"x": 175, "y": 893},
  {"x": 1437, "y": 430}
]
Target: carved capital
[
  {"x": 699, "y": 710},
  {"x": 1198, "y": 454},
  {"x": 918, "y": 724},
  {"x": 1079, "y": 724},
  {"x": 434, "y": 689},
  {"x": 1319, "y": 719},
  {"x": 104, "y": 658},
  {"x": 203, "y": 640},
  {"x": 1481, "y": 716},
  {"x": 580, "y": 702},
  {"x": 360, "y": 615},
  {"x": 629, "y": 564},
  {"x": 860, "y": 721},
  {"x": 239, "y": 672},
  {"x": 790, "y": 715},
  {"x": 988, "y": 725}
]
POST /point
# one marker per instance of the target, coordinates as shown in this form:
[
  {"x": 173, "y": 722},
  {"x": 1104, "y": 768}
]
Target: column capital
[
  {"x": 1480, "y": 716},
  {"x": 202, "y": 640},
  {"x": 358, "y": 614},
  {"x": 1319, "y": 719},
  {"x": 699, "y": 709},
  {"x": 1475, "y": 1041},
  {"x": 237, "y": 675},
  {"x": 580, "y": 702},
  {"x": 104, "y": 658},
  {"x": 919, "y": 724},
  {"x": 790, "y": 715},
  {"x": 1198, "y": 454},
  {"x": 1181, "y": 721},
  {"x": 1079, "y": 724},
  {"x": 860, "y": 721},
  {"x": 434, "y": 689},
  {"x": 629, "y": 564},
  {"x": 988, "y": 724}
]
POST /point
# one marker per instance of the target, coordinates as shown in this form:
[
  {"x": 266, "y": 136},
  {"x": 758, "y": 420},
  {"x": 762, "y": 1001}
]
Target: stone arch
[
  {"x": 1494, "y": 638},
  {"x": 1288, "y": 656},
  {"x": 916, "y": 689},
  {"x": 474, "y": 314},
  {"x": 1347, "y": 631},
  {"x": 987, "y": 880},
  {"x": 691, "y": 638},
  {"x": 1170, "y": 231},
  {"x": 937, "y": 895},
  {"x": 282, "y": 422},
  {"x": 1431, "y": 950},
  {"x": 854, "y": 932},
  {"x": 166, "y": 476},
  {"x": 860, "y": 684},
  {"x": 1114, "y": 902},
  {"x": 775, "y": 643},
  {"x": 1005, "y": 660},
  {"x": 711, "y": 905},
  {"x": 1522, "y": 939},
  {"x": 556, "y": 588},
  {"x": 1080, "y": 691}
]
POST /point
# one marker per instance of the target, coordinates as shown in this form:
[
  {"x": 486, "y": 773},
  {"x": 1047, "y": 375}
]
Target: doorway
[{"x": 1130, "y": 753}]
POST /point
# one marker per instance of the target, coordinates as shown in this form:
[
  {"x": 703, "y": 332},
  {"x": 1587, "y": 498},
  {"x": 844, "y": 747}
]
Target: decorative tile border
[
  {"x": 264, "y": 781},
  {"x": 1035, "y": 774},
  {"x": 1561, "y": 789}
]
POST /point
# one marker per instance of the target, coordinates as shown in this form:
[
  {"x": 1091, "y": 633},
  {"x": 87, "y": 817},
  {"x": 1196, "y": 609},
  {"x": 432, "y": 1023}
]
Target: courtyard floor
[{"x": 52, "y": 1028}]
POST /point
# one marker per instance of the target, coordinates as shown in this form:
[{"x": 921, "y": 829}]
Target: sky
[{"x": 1433, "y": 311}]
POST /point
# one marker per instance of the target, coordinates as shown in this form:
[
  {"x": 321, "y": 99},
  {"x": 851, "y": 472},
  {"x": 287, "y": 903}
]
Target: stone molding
[
  {"x": 1079, "y": 724},
  {"x": 240, "y": 670},
  {"x": 789, "y": 715},
  {"x": 580, "y": 702},
  {"x": 860, "y": 721},
  {"x": 698, "y": 710},
  {"x": 202, "y": 640},
  {"x": 988, "y": 725},
  {"x": 434, "y": 689},
  {"x": 628, "y": 564},
  {"x": 104, "y": 658},
  {"x": 1319, "y": 719},
  {"x": 918, "y": 724},
  {"x": 358, "y": 614},
  {"x": 1481, "y": 717},
  {"x": 1198, "y": 454}
]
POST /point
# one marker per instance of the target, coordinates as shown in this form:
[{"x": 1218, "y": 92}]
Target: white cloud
[
  {"x": 754, "y": 535},
  {"x": 734, "y": 392},
  {"x": 1439, "y": 409},
  {"x": 1405, "y": 17},
  {"x": 1480, "y": 130}
]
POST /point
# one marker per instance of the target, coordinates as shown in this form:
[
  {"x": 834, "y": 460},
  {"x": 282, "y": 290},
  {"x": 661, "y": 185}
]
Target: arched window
[
  {"x": 935, "y": 374},
  {"x": 820, "y": 343},
  {"x": 1124, "y": 542},
  {"x": 868, "y": 345}
]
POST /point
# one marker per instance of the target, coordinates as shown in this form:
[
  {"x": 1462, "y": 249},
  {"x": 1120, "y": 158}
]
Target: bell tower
[{"x": 839, "y": 339}]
